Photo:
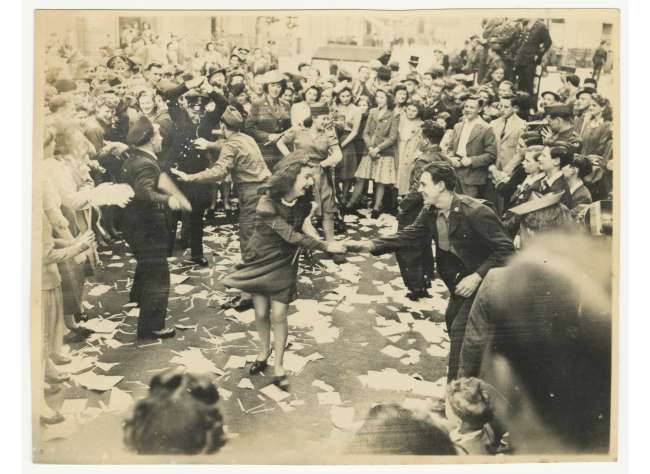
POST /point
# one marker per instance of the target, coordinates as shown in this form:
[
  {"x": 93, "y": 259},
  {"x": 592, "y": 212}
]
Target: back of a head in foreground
[
  {"x": 550, "y": 356},
  {"x": 178, "y": 416},
  {"x": 393, "y": 430}
]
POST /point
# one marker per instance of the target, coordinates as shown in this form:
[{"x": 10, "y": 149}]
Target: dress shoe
[
  {"x": 417, "y": 294},
  {"x": 375, "y": 214},
  {"x": 160, "y": 334},
  {"x": 282, "y": 382},
  {"x": 52, "y": 419},
  {"x": 80, "y": 317},
  {"x": 200, "y": 261},
  {"x": 339, "y": 258},
  {"x": 77, "y": 334},
  {"x": 60, "y": 359},
  {"x": 238, "y": 304}
]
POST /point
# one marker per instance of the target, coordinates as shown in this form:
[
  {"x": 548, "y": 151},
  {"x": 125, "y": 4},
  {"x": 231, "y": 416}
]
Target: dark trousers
[
  {"x": 452, "y": 271},
  {"x": 192, "y": 227},
  {"x": 415, "y": 264},
  {"x": 596, "y": 72},
  {"x": 150, "y": 288},
  {"x": 526, "y": 77}
]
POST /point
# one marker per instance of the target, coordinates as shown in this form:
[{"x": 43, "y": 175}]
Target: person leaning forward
[
  {"x": 470, "y": 240},
  {"x": 240, "y": 157}
]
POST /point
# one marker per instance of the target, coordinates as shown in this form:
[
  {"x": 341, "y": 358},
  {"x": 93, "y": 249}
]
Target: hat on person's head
[
  {"x": 237, "y": 89},
  {"x": 195, "y": 99},
  {"x": 140, "y": 132},
  {"x": 384, "y": 58},
  {"x": 558, "y": 110},
  {"x": 394, "y": 66},
  {"x": 65, "y": 85},
  {"x": 412, "y": 78},
  {"x": 554, "y": 94},
  {"x": 585, "y": 90},
  {"x": 301, "y": 65},
  {"x": 272, "y": 77},
  {"x": 243, "y": 51},
  {"x": 414, "y": 60},
  {"x": 235, "y": 54},
  {"x": 211, "y": 70},
  {"x": 383, "y": 73},
  {"x": 537, "y": 202},
  {"x": 319, "y": 109},
  {"x": 232, "y": 118}
]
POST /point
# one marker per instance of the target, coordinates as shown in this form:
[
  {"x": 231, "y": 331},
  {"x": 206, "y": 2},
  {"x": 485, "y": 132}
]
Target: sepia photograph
[{"x": 325, "y": 237}]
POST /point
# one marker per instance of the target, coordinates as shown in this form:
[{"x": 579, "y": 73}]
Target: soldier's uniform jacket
[
  {"x": 148, "y": 208},
  {"x": 533, "y": 43},
  {"x": 476, "y": 235},
  {"x": 182, "y": 152}
]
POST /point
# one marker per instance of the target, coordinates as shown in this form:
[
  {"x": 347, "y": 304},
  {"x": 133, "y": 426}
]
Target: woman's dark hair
[
  {"x": 344, "y": 89},
  {"x": 583, "y": 165},
  {"x": 416, "y": 105},
  {"x": 146, "y": 92},
  {"x": 319, "y": 92},
  {"x": 401, "y": 87},
  {"x": 178, "y": 416},
  {"x": 284, "y": 175},
  {"x": 390, "y": 99},
  {"x": 432, "y": 131},
  {"x": 442, "y": 171},
  {"x": 563, "y": 152},
  {"x": 391, "y": 429},
  {"x": 605, "y": 104}
]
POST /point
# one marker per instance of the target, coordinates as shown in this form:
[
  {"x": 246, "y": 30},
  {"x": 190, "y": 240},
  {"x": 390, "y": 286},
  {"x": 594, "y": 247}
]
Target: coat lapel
[
  {"x": 455, "y": 215},
  {"x": 476, "y": 131}
]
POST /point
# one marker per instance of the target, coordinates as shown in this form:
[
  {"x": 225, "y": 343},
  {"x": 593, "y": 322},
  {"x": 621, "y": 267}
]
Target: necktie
[
  {"x": 505, "y": 124},
  {"x": 443, "y": 232}
]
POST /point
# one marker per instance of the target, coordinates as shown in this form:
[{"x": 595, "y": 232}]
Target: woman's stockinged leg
[
  {"x": 261, "y": 304},
  {"x": 328, "y": 227},
  {"x": 280, "y": 333},
  {"x": 379, "y": 196},
  {"x": 356, "y": 193}
]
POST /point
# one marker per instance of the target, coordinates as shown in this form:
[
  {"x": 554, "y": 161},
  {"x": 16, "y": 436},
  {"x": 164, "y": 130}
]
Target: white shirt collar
[
  {"x": 575, "y": 186},
  {"x": 557, "y": 175},
  {"x": 530, "y": 179}
]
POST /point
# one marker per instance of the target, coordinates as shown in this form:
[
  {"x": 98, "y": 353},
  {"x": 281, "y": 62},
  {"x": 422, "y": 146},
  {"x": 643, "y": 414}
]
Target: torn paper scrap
[
  {"x": 93, "y": 381},
  {"x": 246, "y": 383},
  {"x": 99, "y": 290},
  {"x": 274, "y": 393},
  {"x": 119, "y": 401},
  {"x": 235, "y": 362},
  {"x": 329, "y": 398},
  {"x": 322, "y": 385}
]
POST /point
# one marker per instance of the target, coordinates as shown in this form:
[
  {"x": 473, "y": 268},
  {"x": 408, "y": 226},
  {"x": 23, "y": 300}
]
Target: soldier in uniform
[
  {"x": 269, "y": 118},
  {"x": 470, "y": 240},
  {"x": 534, "y": 42},
  {"x": 146, "y": 223},
  {"x": 240, "y": 157},
  {"x": 191, "y": 126}
]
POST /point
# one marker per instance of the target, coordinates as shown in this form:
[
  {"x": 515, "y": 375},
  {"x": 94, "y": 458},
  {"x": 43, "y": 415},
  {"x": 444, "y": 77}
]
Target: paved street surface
[{"x": 348, "y": 320}]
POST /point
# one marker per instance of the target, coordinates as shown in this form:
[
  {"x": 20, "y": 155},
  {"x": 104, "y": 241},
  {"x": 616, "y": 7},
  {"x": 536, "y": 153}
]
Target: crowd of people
[{"x": 475, "y": 166}]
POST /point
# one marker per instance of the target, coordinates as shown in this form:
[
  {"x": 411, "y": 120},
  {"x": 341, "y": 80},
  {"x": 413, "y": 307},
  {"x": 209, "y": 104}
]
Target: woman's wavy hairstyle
[{"x": 284, "y": 175}]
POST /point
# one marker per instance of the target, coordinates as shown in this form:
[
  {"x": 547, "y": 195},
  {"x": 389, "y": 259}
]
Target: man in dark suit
[
  {"x": 560, "y": 122},
  {"x": 552, "y": 161},
  {"x": 470, "y": 240},
  {"x": 473, "y": 149},
  {"x": 146, "y": 226},
  {"x": 534, "y": 42}
]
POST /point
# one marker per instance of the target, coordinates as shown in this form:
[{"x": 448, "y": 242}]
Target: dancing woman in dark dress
[{"x": 270, "y": 261}]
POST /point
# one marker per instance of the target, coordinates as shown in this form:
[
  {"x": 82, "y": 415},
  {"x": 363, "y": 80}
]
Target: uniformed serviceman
[
  {"x": 470, "y": 240},
  {"x": 146, "y": 220},
  {"x": 240, "y": 157},
  {"x": 190, "y": 124}
]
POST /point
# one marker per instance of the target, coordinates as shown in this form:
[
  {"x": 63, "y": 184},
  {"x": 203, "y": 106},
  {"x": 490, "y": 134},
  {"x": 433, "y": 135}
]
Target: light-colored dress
[
  {"x": 381, "y": 131},
  {"x": 410, "y": 136}
]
